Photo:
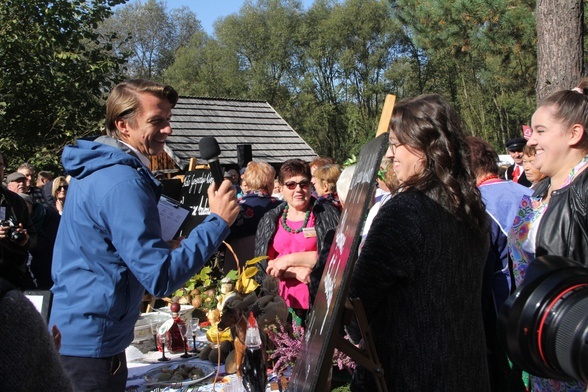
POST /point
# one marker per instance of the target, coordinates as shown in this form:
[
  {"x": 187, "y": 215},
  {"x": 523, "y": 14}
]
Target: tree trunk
[{"x": 559, "y": 45}]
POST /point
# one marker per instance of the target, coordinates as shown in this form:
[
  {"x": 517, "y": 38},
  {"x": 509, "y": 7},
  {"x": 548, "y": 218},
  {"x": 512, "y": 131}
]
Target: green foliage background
[
  {"x": 54, "y": 68},
  {"x": 325, "y": 69}
]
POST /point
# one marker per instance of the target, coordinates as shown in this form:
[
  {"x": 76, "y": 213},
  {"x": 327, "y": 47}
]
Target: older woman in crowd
[
  {"x": 554, "y": 221},
  {"x": 531, "y": 172},
  {"x": 254, "y": 203},
  {"x": 325, "y": 184},
  {"x": 344, "y": 182},
  {"x": 419, "y": 275},
  {"x": 296, "y": 236}
]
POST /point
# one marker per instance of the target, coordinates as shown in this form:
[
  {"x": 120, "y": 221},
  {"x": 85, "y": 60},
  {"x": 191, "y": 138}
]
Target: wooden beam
[
  {"x": 193, "y": 165},
  {"x": 386, "y": 114}
]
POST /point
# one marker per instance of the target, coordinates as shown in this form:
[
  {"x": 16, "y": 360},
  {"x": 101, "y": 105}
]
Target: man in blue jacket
[{"x": 109, "y": 247}]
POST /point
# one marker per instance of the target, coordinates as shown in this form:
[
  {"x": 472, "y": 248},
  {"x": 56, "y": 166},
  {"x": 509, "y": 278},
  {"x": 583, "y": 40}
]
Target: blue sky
[{"x": 208, "y": 11}]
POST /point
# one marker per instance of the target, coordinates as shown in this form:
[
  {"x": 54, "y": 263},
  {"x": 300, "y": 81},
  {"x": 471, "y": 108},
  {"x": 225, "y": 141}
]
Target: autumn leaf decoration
[{"x": 246, "y": 282}]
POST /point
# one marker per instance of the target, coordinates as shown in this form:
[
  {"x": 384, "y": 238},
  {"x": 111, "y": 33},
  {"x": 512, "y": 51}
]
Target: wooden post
[
  {"x": 386, "y": 114},
  {"x": 192, "y": 165}
]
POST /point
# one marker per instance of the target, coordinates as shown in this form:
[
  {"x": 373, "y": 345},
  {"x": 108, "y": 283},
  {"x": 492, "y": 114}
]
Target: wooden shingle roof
[{"x": 233, "y": 122}]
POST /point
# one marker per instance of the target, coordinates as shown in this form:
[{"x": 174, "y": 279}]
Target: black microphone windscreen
[{"x": 209, "y": 148}]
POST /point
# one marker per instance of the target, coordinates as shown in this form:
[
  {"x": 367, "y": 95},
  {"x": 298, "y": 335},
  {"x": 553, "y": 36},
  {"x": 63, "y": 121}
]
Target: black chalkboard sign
[
  {"x": 325, "y": 320},
  {"x": 172, "y": 187},
  {"x": 194, "y": 197}
]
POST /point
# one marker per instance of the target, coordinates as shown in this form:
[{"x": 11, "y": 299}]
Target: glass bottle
[
  {"x": 253, "y": 369},
  {"x": 175, "y": 338}
]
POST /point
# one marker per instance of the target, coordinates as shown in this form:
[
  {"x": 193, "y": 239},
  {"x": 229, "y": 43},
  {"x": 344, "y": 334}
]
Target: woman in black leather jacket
[
  {"x": 555, "y": 221},
  {"x": 297, "y": 237},
  {"x": 562, "y": 154}
]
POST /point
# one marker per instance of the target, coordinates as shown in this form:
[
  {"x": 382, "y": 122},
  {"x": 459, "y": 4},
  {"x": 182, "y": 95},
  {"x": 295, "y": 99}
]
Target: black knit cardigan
[
  {"x": 419, "y": 276},
  {"x": 29, "y": 360}
]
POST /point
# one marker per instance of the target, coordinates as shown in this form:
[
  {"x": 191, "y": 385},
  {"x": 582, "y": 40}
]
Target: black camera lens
[
  {"x": 16, "y": 236},
  {"x": 544, "y": 324}
]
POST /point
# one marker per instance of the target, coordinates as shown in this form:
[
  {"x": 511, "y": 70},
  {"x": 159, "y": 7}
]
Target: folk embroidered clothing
[{"x": 521, "y": 238}]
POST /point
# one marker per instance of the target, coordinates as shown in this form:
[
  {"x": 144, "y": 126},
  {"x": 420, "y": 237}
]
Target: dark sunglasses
[
  {"x": 64, "y": 187},
  {"x": 304, "y": 184}
]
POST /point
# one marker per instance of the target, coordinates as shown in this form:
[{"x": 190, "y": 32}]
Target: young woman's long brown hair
[{"x": 429, "y": 124}]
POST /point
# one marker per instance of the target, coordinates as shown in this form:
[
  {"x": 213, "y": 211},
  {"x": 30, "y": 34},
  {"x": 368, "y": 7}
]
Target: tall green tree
[
  {"x": 263, "y": 35},
  {"x": 349, "y": 47},
  {"x": 206, "y": 68},
  {"x": 486, "y": 49},
  {"x": 150, "y": 35},
  {"x": 54, "y": 68},
  {"x": 327, "y": 69}
]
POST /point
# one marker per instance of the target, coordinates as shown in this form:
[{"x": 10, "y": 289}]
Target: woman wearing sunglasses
[
  {"x": 58, "y": 192},
  {"x": 296, "y": 236}
]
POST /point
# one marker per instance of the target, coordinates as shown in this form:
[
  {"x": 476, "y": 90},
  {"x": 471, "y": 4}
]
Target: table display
[
  {"x": 180, "y": 374},
  {"x": 144, "y": 370}
]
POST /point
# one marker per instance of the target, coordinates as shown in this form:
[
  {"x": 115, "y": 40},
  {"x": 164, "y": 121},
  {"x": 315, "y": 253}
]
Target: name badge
[{"x": 309, "y": 232}]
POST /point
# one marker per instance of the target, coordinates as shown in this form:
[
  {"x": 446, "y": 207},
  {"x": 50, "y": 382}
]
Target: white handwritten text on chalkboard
[{"x": 194, "y": 197}]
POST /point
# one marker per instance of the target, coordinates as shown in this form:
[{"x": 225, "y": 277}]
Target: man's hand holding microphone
[
  {"x": 222, "y": 197},
  {"x": 224, "y": 201}
]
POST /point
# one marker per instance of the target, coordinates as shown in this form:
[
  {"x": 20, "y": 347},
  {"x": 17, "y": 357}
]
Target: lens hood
[{"x": 544, "y": 323}]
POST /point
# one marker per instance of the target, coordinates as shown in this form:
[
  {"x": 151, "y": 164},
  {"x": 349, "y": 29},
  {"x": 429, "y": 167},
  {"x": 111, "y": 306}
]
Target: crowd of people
[
  {"x": 448, "y": 238},
  {"x": 35, "y": 214}
]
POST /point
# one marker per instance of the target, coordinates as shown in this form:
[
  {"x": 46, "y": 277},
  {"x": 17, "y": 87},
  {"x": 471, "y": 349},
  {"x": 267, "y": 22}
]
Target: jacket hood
[{"x": 86, "y": 156}]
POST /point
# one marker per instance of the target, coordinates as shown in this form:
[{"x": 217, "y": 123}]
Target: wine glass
[
  {"x": 184, "y": 331},
  {"x": 162, "y": 339},
  {"x": 194, "y": 326},
  {"x": 153, "y": 326}
]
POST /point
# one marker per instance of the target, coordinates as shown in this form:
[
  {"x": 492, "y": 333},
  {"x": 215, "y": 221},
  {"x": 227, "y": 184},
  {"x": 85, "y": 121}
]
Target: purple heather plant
[
  {"x": 288, "y": 344},
  {"x": 343, "y": 361}
]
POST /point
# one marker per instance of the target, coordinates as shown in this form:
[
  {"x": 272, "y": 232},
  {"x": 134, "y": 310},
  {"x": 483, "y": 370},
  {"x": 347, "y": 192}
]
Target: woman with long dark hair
[{"x": 419, "y": 274}]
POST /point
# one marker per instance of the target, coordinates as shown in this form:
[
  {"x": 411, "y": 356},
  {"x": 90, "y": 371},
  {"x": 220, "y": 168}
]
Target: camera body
[
  {"x": 13, "y": 234},
  {"x": 544, "y": 323}
]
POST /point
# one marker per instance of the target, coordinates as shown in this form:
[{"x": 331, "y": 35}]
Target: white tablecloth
[{"x": 139, "y": 364}]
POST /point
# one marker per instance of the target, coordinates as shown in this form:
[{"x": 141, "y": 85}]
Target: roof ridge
[{"x": 223, "y": 99}]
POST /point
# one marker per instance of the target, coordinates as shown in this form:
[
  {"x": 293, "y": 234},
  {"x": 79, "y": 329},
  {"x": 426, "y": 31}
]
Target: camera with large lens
[
  {"x": 544, "y": 323},
  {"x": 13, "y": 233}
]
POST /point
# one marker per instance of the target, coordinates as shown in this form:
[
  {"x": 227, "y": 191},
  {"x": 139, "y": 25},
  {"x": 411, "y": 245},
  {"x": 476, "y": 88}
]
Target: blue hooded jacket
[{"x": 109, "y": 249}]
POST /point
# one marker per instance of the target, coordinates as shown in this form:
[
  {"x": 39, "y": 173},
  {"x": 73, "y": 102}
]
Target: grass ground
[
  {"x": 341, "y": 380},
  {"x": 343, "y": 388}
]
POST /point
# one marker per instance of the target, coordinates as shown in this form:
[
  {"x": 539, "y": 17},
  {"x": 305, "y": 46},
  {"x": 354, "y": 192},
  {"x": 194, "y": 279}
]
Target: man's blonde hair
[{"x": 124, "y": 101}]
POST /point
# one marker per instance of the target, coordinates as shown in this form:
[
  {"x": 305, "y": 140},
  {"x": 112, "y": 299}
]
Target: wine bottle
[
  {"x": 176, "y": 341},
  {"x": 253, "y": 369}
]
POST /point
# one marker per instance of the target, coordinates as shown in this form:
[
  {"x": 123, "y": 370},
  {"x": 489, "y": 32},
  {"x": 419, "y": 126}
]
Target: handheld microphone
[{"x": 209, "y": 151}]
